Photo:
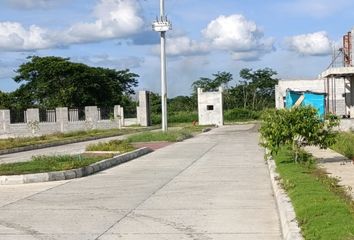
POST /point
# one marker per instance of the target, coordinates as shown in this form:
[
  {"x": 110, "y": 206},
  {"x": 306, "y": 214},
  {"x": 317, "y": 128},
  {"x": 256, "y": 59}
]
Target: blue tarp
[{"x": 316, "y": 100}]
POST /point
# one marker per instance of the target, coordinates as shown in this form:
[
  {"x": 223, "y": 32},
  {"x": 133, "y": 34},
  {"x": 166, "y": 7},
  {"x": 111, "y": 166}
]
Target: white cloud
[
  {"x": 34, "y": 4},
  {"x": 114, "y": 19},
  {"x": 312, "y": 44},
  {"x": 183, "y": 45},
  {"x": 243, "y": 38},
  {"x": 13, "y": 36}
]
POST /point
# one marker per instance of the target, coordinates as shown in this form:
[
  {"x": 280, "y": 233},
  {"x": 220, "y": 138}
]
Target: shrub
[
  {"x": 241, "y": 114},
  {"x": 297, "y": 127}
]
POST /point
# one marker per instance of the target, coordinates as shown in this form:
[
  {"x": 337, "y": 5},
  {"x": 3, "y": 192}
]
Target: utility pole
[{"x": 162, "y": 25}]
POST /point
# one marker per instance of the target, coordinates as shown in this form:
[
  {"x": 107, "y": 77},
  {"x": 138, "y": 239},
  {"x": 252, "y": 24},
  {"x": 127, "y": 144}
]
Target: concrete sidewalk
[
  {"x": 214, "y": 186},
  {"x": 336, "y": 165}
]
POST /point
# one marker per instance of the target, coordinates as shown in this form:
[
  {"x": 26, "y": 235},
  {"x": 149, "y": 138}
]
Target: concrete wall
[
  {"x": 210, "y": 107},
  {"x": 33, "y": 127}
]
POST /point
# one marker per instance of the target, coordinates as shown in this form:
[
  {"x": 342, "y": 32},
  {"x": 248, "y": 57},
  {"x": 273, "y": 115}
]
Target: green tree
[
  {"x": 51, "y": 82},
  {"x": 208, "y": 84},
  {"x": 256, "y": 90}
]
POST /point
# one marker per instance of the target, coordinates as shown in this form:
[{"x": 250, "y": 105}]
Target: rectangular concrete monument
[{"x": 210, "y": 107}]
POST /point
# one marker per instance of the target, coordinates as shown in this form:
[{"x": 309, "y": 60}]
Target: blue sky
[{"x": 294, "y": 37}]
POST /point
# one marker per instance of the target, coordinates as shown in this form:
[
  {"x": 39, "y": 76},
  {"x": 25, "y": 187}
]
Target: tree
[
  {"x": 220, "y": 79},
  {"x": 297, "y": 127},
  {"x": 257, "y": 88},
  {"x": 51, "y": 82}
]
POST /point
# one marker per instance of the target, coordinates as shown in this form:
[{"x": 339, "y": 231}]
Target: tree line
[{"x": 50, "y": 82}]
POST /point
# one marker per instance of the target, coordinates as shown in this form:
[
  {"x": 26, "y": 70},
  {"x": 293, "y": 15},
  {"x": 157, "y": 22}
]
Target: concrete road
[{"x": 214, "y": 186}]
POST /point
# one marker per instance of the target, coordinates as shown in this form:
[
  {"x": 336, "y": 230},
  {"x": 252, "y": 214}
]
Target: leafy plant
[{"x": 298, "y": 127}]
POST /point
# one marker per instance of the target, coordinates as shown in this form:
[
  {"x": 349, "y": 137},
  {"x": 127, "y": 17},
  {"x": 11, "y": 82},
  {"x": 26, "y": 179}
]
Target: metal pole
[{"x": 163, "y": 71}]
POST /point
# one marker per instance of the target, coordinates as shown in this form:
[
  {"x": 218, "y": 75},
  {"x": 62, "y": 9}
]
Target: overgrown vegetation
[
  {"x": 40, "y": 164},
  {"x": 297, "y": 127},
  {"x": 345, "y": 144},
  {"x": 60, "y": 137},
  {"x": 114, "y": 145},
  {"x": 170, "y": 136},
  {"x": 323, "y": 208}
]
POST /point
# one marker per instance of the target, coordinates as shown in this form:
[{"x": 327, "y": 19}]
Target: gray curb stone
[
  {"x": 74, "y": 173},
  {"x": 289, "y": 225}
]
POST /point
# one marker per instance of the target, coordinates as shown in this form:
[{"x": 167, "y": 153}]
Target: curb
[
  {"x": 74, "y": 173},
  {"x": 289, "y": 225}
]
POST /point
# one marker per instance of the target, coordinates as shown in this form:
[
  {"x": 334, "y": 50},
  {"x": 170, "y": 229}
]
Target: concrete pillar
[
  {"x": 119, "y": 115},
  {"x": 351, "y": 104},
  {"x": 143, "y": 111},
  {"x": 5, "y": 120},
  {"x": 91, "y": 117},
  {"x": 32, "y": 115},
  {"x": 210, "y": 107},
  {"x": 279, "y": 98},
  {"x": 62, "y": 116}
]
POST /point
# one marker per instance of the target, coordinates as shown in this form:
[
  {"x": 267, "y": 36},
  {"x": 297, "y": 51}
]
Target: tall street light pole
[{"x": 162, "y": 25}]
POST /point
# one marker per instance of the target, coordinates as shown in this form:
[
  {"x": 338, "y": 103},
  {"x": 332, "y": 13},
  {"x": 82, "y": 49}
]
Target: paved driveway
[{"x": 214, "y": 186}]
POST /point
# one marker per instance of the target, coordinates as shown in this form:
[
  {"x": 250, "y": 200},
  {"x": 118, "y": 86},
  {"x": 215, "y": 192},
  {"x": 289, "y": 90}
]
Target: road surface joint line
[{"x": 152, "y": 194}]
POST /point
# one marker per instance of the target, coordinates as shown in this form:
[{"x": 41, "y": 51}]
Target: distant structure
[
  {"x": 210, "y": 107},
  {"x": 337, "y": 81}
]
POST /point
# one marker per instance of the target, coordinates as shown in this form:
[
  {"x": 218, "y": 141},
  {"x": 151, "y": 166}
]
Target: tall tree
[
  {"x": 51, "y": 82},
  {"x": 220, "y": 79}
]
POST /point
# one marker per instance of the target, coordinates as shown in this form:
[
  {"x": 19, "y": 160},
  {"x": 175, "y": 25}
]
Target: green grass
[
  {"x": 40, "y": 164},
  {"x": 114, "y": 145},
  {"x": 323, "y": 208},
  {"x": 177, "y": 132},
  {"x": 59, "y": 137},
  {"x": 170, "y": 136},
  {"x": 345, "y": 144}
]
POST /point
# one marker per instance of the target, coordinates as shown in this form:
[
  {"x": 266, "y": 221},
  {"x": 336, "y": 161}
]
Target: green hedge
[
  {"x": 241, "y": 114},
  {"x": 232, "y": 115}
]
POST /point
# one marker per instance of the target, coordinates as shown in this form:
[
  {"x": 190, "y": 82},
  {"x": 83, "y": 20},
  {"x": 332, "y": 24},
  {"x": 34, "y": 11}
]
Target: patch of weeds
[{"x": 114, "y": 145}]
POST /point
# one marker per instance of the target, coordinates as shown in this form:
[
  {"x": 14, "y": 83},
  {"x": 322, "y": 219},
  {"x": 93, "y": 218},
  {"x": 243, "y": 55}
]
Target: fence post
[
  {"x": 62, "y": 118},
  {"x": 119, "y": 115},
  {"x": 32, "y": 115},
  {"x": 5, "y": 120},
  {"x": 91, "y": 117}
]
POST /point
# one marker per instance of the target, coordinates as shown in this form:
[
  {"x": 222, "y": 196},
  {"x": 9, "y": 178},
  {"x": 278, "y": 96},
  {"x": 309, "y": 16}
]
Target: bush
[
  {"x": 345, "y": 144},
  {"x": 176, "y": 117},
  {"x": 241, "y": 114},
  {"x": 297, "y": 127}
]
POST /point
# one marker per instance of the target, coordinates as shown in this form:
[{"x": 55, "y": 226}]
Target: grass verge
[
  {"x": 323, "y": 208},
  {"x": 41, "y": 164},
  {"x": 179, "y": 133},
  {"x": 345, "y": 144},
  {"x": 114, "y": 145},
  {"x": 59, "y": 137}
]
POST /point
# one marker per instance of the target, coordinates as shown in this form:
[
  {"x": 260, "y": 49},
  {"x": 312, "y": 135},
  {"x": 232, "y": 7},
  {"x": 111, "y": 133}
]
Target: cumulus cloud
[
  {"x": 13, "y": 36},
  {"x": 312, "y": 44},
  {"x": 183, "y": 45},
  {"x": 243, "y": 38},
  {"x": 114, "y": 19},
  {"x": 34, "y": 4}
]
